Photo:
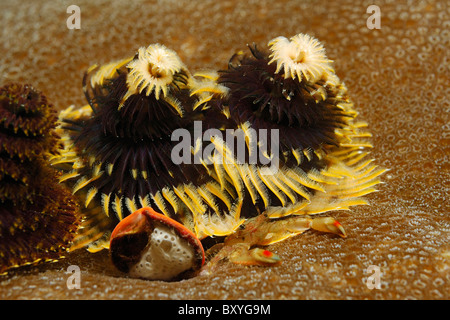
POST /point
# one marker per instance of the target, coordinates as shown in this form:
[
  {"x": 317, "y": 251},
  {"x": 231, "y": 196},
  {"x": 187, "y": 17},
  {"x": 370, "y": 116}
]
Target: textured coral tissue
[{"x": 393, "y": 57}]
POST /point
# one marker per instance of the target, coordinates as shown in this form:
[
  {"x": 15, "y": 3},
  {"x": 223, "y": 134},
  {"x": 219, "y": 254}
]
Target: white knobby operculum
[
  {"x": 302, "y": 57},
  {"x": 152, "y": 71}
]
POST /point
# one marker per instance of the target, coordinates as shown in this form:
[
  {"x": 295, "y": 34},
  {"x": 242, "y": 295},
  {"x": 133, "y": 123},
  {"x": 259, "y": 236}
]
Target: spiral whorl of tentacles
[
  {"x": 118, "y": 154},
  {"x": 295, "y": 147},
  {"x": 322, "y": 149},
  {"x": 38, "y": 217},
  {"x": 320, "y": 152}
]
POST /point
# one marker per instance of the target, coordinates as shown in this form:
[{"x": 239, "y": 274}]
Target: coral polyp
[{"x": 38, "y": 217}]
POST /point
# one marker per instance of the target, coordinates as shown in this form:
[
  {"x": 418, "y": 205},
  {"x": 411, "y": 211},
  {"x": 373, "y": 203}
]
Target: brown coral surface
[{"x": 398, "y": 77}]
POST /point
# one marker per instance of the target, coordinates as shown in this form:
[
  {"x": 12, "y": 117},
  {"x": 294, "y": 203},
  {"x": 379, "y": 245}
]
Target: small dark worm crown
[
  {"x": 26, "y": 134},
  {"x": 27, "y": 121},
  {"x": 38, "y": 217}
]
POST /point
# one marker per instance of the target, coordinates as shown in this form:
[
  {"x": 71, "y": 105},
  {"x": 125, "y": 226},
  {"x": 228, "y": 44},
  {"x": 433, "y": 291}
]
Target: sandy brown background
[{"x": 398, "y": 77}]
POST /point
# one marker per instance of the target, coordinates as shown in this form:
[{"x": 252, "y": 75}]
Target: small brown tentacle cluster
[{"x": 38, "y": 216}]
